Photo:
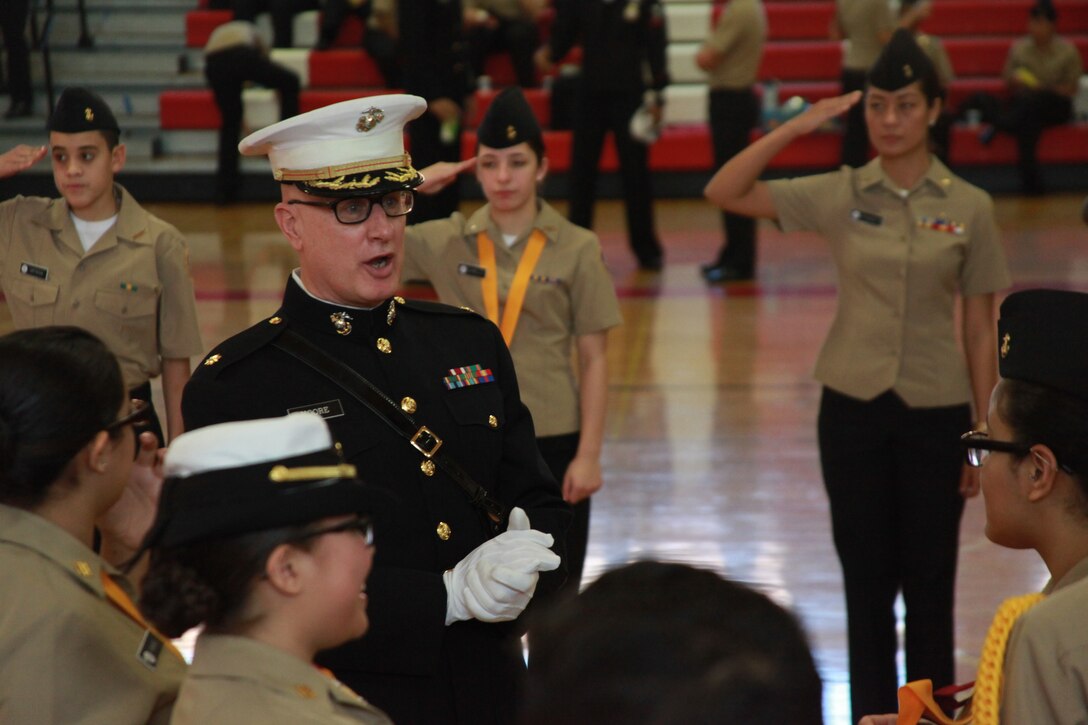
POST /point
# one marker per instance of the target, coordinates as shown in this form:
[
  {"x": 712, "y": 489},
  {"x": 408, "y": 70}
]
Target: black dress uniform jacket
[{"x": 409, "y": 663}]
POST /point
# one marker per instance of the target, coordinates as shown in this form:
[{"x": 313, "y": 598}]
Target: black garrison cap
[
  {"x": 901, "y": 63},
  {"x": 1044, "y": 9},
  {"x": 79, "y": 110},
  {"x": 509, "y": 121},
  {"x": 1042, "y": 338}
]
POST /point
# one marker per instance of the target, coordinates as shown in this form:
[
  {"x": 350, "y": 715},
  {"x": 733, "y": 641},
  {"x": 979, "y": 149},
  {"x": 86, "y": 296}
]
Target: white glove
[{"x": 495, "y": 582}]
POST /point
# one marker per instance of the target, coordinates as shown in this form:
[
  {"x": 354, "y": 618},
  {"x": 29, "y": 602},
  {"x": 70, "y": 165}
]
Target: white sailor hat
[
  {"x": 351, "y": 148},
  {"x": 236, "y": 478}
]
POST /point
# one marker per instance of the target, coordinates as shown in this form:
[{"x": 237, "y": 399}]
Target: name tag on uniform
[
  {"x": 866, "y": 217},
  {"x": 33, "y": 270},
  {"x": 471, "y": 270},
  {"x": 149, "y": 651},
  {"x": 326, "y": 409}
]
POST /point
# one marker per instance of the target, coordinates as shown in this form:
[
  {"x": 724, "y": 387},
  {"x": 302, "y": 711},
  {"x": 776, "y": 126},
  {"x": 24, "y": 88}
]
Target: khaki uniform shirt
[
  {"x": 570, "y": 294},
  {"x": 1056, "y": 65},
  {"x": 901, "y": 256},
  {"x": 1046, "y": 661},
  {"x": 739, "y": 35},
  {"x": 934, "y": 50},
  {"x": 862, "y": 21},
  {"x": 132, "y": 288},
  {"x": 233, "y": 34},
  {"x": 67, "y": 654},
  {"x": 240, "y": 680}
]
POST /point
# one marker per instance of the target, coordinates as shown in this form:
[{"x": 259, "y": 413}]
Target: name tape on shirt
[{"x": 326, "y": 409}]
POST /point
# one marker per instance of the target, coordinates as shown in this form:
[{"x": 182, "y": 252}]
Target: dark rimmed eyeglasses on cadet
[
  {"x": 356, "y": 209},
  {"x": 138, "y": 417},
  {"x": 978, "y": 447},
  {"x": 363, "y": 525}
]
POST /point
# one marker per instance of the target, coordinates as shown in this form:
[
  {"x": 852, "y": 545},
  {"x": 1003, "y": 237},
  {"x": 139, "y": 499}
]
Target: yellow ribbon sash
[
  {"x": 489, "y": 284},
  {"x": 916, "y": 698},
  {"x": 120, "y": 599}
]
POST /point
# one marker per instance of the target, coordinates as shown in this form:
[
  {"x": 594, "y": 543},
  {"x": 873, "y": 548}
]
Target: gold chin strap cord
[
  {"x": 916, "y": 698},
  {"x": 489, "y": 284}
]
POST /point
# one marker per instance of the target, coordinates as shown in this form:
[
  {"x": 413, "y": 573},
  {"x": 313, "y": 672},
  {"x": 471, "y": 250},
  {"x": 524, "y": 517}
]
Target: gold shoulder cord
[{"x": 916, "y": 698}]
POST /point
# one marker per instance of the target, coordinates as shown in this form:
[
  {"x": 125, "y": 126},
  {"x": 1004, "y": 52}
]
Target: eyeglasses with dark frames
[
  {"x": 363, "y": 525},
  {"x": 138, "y": 417},
  {"x": 356, "y": 209},
  {"x": 978, "y": 446}
]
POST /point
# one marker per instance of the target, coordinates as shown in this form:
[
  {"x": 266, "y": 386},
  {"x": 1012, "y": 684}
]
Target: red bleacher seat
[
  {"x": 351, "y": 33},
  {"x": 799, "y": 21},
  {"x": 340, "y": 68},
  {"x": 199, "y": 25},
  {"x": 801, "y": 61},
  {"x": 309, "y": 100},
  {"x": 185, "y": 110},
  {"x": 999, "y": 17}
]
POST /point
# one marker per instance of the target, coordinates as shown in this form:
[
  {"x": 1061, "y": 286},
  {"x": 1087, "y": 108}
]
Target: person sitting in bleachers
[
  {"x": 504, "y": 25},
  {"x": 283, "y": 14},
  {"x": 1042, "y": 71}
]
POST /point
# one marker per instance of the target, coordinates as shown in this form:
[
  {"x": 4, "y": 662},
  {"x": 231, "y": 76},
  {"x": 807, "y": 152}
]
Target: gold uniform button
[
  {"x": 427, "y": 467},
  {"x": 493, "y": 421},
  {"x": 408, "y": 405},
  {"x": 83, "y": 568},
  {"x": 305, "y": 691},
  {"x": 275, "y": 320},
  {"x": 213, "y": 359},
  {"x": 384, "y": 345},
  {"x": 443, "y": 531}
]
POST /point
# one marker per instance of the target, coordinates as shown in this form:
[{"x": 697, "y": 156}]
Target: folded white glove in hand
[{"x": 495, "y": 582}]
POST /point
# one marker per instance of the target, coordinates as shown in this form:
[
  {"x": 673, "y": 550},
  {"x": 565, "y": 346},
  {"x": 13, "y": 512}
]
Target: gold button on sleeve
[{"x": 444, "y": 531}]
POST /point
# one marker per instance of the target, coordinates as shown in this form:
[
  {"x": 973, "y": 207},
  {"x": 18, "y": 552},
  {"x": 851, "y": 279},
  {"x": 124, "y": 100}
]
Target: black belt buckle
[{"x": 426, "y": 442}]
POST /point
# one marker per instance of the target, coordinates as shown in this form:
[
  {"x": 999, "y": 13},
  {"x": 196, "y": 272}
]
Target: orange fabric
[
  {"x": 489, "y": 285},
  {"x": 120, "y": 599}
]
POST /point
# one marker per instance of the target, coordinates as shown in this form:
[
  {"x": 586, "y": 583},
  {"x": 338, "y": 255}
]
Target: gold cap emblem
[
  {"x": 384, "y": 345},
  {"x": 1005, "y": 345},
  {"x": 427, "y": 467},
  {"x": 443, "y": 531},
  {"x": 88, "y": 114},
  {"x": 342, "y": 322},
  {"x": 511, "y": 133},
  {"x": 908, "y": 71},
  {"x": 369, "y": 118}
]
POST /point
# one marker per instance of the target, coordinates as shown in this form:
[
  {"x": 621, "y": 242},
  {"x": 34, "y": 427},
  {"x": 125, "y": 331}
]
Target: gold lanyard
[
  {"x": 120, "y": 599},
  {"x": 489, "y": 284},
  {"x": 916, "y": 698}
]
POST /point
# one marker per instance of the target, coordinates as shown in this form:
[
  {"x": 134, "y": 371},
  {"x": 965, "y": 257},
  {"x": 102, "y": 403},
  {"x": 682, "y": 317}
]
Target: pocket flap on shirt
[
  {"x": 125, "y": 303},
  {"x": 33, "y": 293}
]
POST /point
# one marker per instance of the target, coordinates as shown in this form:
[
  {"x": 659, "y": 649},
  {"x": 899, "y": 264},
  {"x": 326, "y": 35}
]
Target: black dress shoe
[
  {"x": 715, "y": 273},
  {"x": 18, "y": 109}
]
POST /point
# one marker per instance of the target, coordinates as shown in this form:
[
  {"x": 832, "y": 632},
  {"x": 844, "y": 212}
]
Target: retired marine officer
[{"x": 423, "y": 395}]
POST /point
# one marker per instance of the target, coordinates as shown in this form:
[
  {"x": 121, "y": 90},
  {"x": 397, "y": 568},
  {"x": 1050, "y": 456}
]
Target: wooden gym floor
[{"x": 710, "y": 453}]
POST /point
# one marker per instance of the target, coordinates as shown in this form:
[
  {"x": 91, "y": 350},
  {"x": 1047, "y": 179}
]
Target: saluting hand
[
  {"x": 438, "y": 176},
  {"x": 124, "y": 524},
  {"x": 20, "y": 158},
  {"x": 820, "y": 112}
]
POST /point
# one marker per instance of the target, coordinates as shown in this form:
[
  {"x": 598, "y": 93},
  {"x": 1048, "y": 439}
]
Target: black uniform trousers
[
  {"x": 519, "y": 37},
  {"x": 855, "y": 136},
  {"x": 1028, "y": 113},
  {"x": 733, "y": 113},
  {"x": 597, "y": 113},
  {"x": 892, "y": 477},
  {"x": 227, "y": 72},
  {"x": 558, "y": 452},
  {"x": 13, "y": 14}
]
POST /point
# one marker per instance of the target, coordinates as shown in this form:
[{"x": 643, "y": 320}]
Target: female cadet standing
[
  {"x": 75, "y": 648},
  {"x": 551, "y": 281},
  {"x": 264, "y": 537},
  {"x": 1032, "y": 461},
  {"x": 906, "y": 235}
]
